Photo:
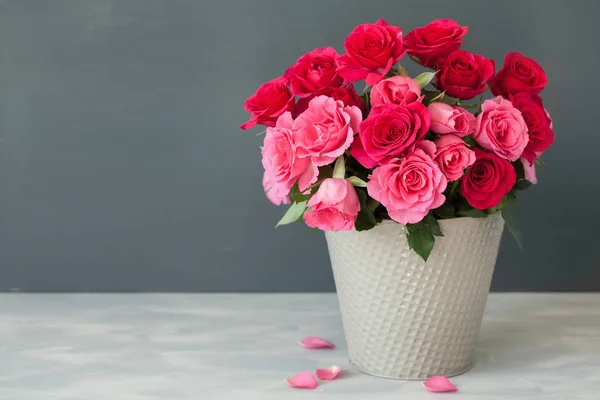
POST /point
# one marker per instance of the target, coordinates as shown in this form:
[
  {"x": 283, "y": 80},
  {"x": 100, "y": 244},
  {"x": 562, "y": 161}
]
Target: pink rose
[
  {"x": 371, "y": 50},
  {"x": 388, "y": 131},
  {"x": 268, "y": 102},
  {"x": 314, "y": 73},
  {"x": 274, "y": 193},
  {"x": 280, "y": 158},
  {"x": 325, "y": 129},
  {"x": 447, "y": 119},
  {"x": 335, "y": 206},
  {"x": 500, "y": 127},
  {"x": 395, "y": 90},
  {"x": 453, "y": 156},
  {"x": 411, "y": 186}
]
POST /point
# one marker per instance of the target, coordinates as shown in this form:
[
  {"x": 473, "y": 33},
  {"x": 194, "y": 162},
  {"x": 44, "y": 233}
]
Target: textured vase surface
[{"x": 409, "y": 319}]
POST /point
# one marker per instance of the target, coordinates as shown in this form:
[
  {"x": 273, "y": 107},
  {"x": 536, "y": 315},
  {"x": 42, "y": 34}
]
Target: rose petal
[
  {"x": 312, "y": 342},
  {"x": 304, "y": 380},
  {"x": 529, "y": 169},
  {"x": 328, "y": 374},
  {"x": 438, "y": 384}
]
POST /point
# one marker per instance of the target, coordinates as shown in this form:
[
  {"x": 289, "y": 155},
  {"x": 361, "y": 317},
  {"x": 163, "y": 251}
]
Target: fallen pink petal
[
  {"x": 328, "y": 374},
  {"x": 304, "y": 380},
  {"x": 312, "y": 342},
  {"x": 439, "y": 384}
]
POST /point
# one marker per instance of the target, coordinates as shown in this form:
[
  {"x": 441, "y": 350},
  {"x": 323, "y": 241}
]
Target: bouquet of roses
[{"x": 407, "y": 149}]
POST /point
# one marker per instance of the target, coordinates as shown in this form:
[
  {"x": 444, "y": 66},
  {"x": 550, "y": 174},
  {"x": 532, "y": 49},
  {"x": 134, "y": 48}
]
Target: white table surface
[{"x": 242, "y": 347}]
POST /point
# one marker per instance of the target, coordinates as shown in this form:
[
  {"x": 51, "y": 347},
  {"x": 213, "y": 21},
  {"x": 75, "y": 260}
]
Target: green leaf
[
  {"x": 432, "y": 224},
  {"x": 365, "y": 219},
  {"x": 425, "y": 78},
  {"x": 473, "y": 213},
  {"x": 367, "y": 99},
  {"x": 450, "y": 100},
  {"x": 522, "y": 185},
  {"x": 293, "y": 213},
  {"x": 356, "y": 181},
  {"x": 431, "y": 96},
  {"x": 339, "y": 170},
  {"x": 470, "y": 140},
  {"x": 372, "y": 205},
  {"x": 445, "y": 211},
  {"x": 421, "y": 236},
  {"x": 464, "y": 209},
  {"x": 510, "y": 213},
  {"x": 296, "y": 196},
  {"x": 520, "y": 171}
]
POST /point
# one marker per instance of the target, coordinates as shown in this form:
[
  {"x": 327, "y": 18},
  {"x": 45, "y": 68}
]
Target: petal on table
[
  {"x": 329, "y": 374},
  {"x": 438, "y": 384},
  {"x": 304, "y": 380},
  {"x": 312, "y": 342}
]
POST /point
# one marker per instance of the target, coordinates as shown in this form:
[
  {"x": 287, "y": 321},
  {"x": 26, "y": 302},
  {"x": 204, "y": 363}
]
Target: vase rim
[{"x": 445, "y": 220}]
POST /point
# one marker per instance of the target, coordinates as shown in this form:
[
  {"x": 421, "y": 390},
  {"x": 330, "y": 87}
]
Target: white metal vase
[{"x": 409, "y": 319}]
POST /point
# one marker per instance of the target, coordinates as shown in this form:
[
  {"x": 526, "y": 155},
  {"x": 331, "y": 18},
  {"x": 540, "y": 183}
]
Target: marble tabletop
[{"x": 243, "y": 346}]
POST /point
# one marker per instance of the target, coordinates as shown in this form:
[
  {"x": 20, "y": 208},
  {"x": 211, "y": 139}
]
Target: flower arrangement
[{"x": 408, "y": 149}]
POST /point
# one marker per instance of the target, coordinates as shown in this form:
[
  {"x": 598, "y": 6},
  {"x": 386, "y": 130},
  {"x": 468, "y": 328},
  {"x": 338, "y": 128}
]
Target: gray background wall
[{"x": 122, "y": 167}]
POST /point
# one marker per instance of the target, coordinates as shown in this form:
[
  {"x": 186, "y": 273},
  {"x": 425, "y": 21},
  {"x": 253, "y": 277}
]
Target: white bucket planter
[{"x": 407, "y": 319}]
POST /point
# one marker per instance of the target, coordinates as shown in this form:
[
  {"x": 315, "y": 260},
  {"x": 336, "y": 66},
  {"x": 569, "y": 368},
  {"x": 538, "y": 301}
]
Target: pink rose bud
[
  {"x": 335, "y": 206},
  {"x": 400, "y": 90},
  {"x": 453, "y": 156},
  {"x": 447, "y": 119}
]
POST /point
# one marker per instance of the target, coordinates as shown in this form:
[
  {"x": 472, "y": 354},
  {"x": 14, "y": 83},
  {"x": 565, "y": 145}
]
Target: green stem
[{"x": 453, "y": 188}]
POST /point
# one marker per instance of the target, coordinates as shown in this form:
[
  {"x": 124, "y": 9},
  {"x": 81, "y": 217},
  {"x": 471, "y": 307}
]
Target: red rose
[
  {"x": 371, "y": 50},
  {"x": 388, "y": 131},
  {"x": 463, "y": 74},
  {"x": 347, "y": 94},
  {"x": 519, "y": 74},
  {"x": 268, "y": 102},
  {"x": 349, "y": 97},
  {"x": 437, "y": 39},
  {"x": 541, "y": 135},
  {"x": 314, "y": 73},
  {"x": 488, "y": 180}
]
